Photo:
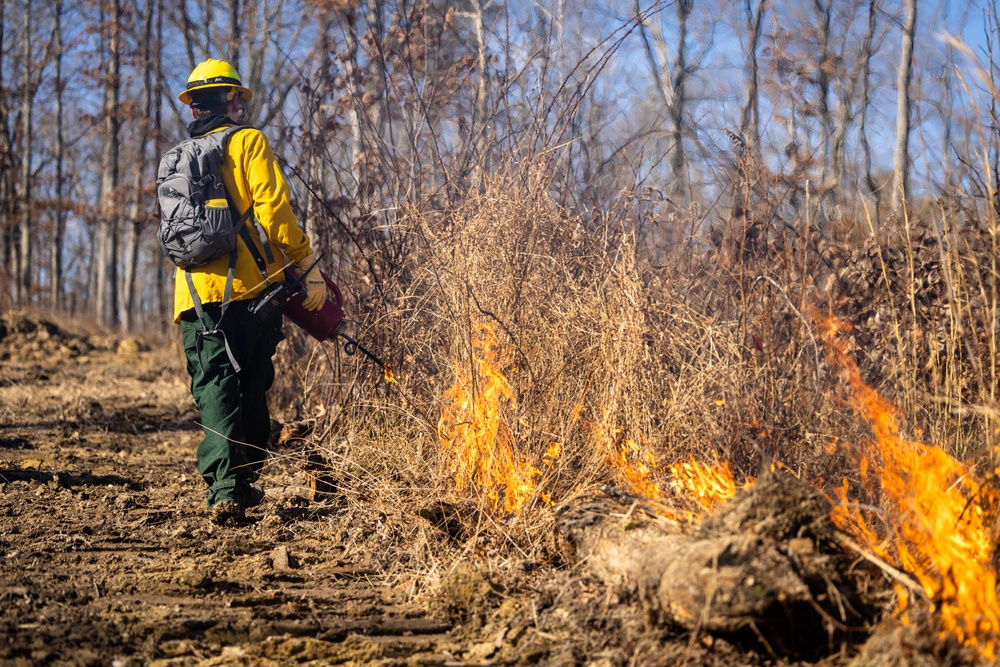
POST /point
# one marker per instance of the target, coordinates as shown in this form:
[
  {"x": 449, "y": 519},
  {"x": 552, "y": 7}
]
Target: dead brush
[
  {"x": 541, "y": 358},
  {"x": 595, "y": 373},
  {"x": 608, "y": 374}
]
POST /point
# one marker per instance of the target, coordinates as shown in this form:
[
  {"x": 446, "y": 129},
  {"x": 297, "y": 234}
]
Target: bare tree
[
  {"x": 352, "y": 78},
  {"x": 107, "y": 237},
  {"x": 56, "y": 260},
  {"x": 822, "y": 12},
  {"x": 235, "y": 36},
  {"x": 850, "y": 82},
  {"x": 6, "y": 153},
  {"x": 318, "y": 88},
  {"x": 866, "y": 98},
  {"x": 478, "y": 129},
  {"x": 140, "y": 189},
  {"x": 750, "y": 115},
  {"x": 671, "y": 80},
  {"x": 23, "y": 290},
  {"x": 187, "y": 30},
  {"x": 7, "y": 165},
  {"x": 901, "y": 155}
]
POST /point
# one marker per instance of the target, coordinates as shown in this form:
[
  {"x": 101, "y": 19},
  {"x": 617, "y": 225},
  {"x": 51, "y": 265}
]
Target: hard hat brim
[{"x": 185, "y": 95}]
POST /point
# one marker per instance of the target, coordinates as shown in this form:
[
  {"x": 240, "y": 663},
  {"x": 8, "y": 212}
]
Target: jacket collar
[{"x": 205, "y": 125}]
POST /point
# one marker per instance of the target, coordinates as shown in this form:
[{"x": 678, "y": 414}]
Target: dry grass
[{"x": 618, "y": 359}]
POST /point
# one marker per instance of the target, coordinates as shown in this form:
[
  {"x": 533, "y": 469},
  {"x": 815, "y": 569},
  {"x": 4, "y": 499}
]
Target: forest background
[{"x": 380, "y": 106}]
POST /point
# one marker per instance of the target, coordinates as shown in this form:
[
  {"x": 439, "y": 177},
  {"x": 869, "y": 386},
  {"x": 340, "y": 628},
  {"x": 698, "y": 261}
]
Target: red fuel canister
[{"x": 323, "y": 323}]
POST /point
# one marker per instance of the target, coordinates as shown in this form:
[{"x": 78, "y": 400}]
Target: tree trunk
[
  {"x": 847, "y": 112},
  {"x": 677, "y": 109},
  {"x": 750, "y": 116},
  {"x": 187, "y": 29},
  {"x": 368, "y": 98},
  {"x": 23, "y": 290},
  {"x": 56, "y": 261},
  {"x": 671, "y": 84},
  {"x": 901, "y": 156},
  {"x": 823, "y": 84},
  {"x": 8, "y": 184},
  {"x": 866, "y": 98},
  {"x": 316, "y": 123},
  {"x": 6, "y": 168},
  {"x": 164, "y": 307},
  {"x": 351, "y": 75},
  {"x": 375, "y": 77},
  {"x": 107, "y": 238},
  {"x": 129, "y": 307},
  {"x": 234, "y": 34},
  {"x": 206, "y": 20},
  {"x": 256, "y": 44},
  {"x": 477, "y": 141}
]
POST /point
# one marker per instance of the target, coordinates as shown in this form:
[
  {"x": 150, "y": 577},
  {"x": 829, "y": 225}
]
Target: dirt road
[{"x": 107, "y": 555}]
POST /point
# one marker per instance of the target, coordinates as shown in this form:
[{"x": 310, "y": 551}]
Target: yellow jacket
[{"x": 251, "y": 175}]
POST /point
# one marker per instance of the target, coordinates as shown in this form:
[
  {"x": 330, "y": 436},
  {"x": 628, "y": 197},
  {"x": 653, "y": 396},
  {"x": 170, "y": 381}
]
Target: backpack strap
[
  {"x": 200, "y": 312},
  {"x": 242, "y": 226},
  {"x": 243, "y": 230},
  {"x": 262, "y": 235},
  {"x": 226, "y": 295}
]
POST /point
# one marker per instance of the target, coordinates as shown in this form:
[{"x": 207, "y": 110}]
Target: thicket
[{"x": 623, "y": 357}]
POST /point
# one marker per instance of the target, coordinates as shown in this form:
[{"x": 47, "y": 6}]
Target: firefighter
[{"x": 231, "y": 372}]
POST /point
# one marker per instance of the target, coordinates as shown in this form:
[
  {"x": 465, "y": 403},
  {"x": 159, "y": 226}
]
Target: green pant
[{"x": 233, "y": 405}]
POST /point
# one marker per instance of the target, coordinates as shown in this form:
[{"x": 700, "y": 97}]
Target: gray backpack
[{"x": 197, "y": 223}]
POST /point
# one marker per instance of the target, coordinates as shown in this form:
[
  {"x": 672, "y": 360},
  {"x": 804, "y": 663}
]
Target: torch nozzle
[{"x": 352, "y": 346}]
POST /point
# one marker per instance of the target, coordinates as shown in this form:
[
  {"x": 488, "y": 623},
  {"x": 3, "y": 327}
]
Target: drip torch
[{"x": 325, "y": 323}]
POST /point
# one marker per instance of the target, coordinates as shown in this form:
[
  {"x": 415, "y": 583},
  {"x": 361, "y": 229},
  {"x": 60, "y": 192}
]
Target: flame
[
  {"x": 709, "y": 485},
  {"x": 390, "y": 377},
  {"x": 552, "y": 453},
  {"x": 937, "y": 516},
  {"x": 474, "y": 432},
  {"x": 636, "y": 464}
]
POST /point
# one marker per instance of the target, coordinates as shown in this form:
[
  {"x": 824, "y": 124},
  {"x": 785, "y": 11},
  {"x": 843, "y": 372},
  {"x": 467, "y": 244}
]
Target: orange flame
[
  {"x": 636, "y": 463},
  {"x": 390, "y": 377},
  {"x": 475, "y": 435},
  {"x": 935, "y": 512},
  {"x": 709, "y": 485}
]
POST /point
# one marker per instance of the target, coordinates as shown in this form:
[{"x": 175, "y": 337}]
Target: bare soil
[{"x": 108, "y": 556}]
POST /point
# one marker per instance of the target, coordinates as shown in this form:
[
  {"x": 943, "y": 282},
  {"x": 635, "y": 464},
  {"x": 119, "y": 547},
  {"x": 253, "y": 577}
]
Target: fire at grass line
[{"x": 932, "y": 520}]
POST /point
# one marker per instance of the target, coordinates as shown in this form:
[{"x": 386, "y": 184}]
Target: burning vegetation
[
  {"x": 578, "y": 369},
  {"x": 478, "y": 443},
  {"x": 926, "y": 515},
  {"x": 579, "y": 452},
  {"x": 931, "y": 516}
]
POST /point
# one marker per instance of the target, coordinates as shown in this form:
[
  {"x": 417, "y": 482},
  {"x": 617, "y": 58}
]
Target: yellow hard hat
[{"x": 213, "y": 73}]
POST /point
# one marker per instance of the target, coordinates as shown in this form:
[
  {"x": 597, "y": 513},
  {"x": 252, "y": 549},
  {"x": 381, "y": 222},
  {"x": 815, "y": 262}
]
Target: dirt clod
[{"x": 466, "y": 594}]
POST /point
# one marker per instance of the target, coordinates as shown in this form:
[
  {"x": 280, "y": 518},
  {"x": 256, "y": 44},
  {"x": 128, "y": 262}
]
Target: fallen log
[{"x": 768, "y": 564}]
